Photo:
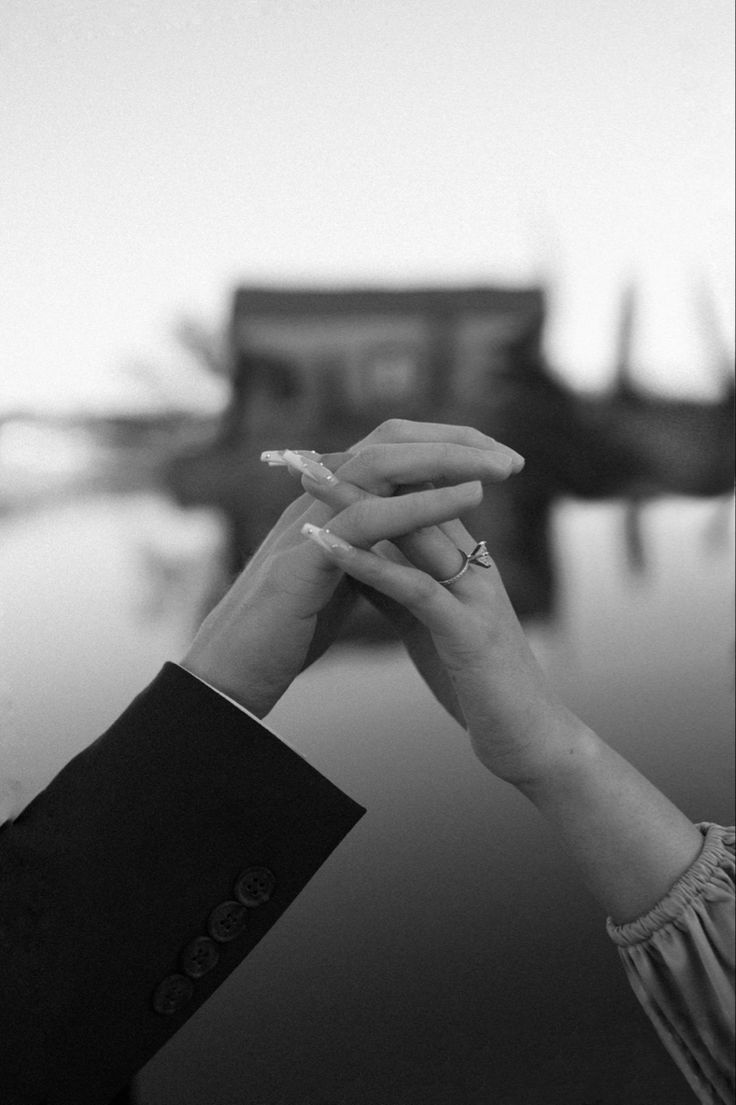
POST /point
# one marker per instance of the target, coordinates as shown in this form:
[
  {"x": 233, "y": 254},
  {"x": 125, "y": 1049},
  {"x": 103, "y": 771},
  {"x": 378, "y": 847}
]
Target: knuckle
[
  {"x": 363, "y": 468},
  {"x": 369, "y": 456},
  {"x": 357, "y": 517},
  {"x": 391, "y": 428},
  {"x": 353, "y": 468}
]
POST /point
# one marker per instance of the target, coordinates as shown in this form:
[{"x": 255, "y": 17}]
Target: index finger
[
  {"x": 396, "y": 430},
  {"x": 401, "y": 431}
]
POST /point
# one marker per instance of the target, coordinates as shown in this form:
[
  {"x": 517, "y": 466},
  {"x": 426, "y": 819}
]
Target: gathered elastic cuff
[{"x": 709, "y": 872}]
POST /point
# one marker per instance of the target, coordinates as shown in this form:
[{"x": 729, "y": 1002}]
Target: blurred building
[
  {"x": 319, "y": 369},
  {"x": 319, "y": 359}
]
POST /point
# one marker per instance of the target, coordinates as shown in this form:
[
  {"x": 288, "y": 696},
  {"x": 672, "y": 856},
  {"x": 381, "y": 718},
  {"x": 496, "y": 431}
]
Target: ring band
[
  {"x": 458, "y": 575},
  {"x": 479, "y": 556}
]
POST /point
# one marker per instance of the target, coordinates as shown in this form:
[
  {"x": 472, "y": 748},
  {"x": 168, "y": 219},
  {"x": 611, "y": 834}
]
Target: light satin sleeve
[{"x": 679, "y": 959}]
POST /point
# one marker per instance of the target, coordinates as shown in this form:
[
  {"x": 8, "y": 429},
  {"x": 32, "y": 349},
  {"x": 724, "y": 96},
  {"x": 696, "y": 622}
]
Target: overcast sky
[{"x": 155, "y": 154}]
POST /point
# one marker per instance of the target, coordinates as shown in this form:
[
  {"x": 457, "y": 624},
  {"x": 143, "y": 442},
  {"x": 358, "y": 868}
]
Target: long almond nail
[
  {"x": 274, "y": 458},
  {"x": 326, "y": 539},
  {"x": 308, "y": 467}
]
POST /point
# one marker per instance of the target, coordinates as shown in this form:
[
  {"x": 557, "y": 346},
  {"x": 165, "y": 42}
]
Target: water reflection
[{"x": 446, "y": 953}]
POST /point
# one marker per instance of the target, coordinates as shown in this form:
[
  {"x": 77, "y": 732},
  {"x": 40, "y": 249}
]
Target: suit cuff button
[
  {"x": 226, "y": 921},
  {"x": 199, "y": 957},
  {"x": 172, "y": 994},
  {"x": 255, "y": 886}
]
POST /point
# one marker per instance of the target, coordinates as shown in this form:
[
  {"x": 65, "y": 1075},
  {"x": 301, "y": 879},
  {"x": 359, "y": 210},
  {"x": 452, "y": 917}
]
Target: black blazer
[{"x": 139, "y": 879}]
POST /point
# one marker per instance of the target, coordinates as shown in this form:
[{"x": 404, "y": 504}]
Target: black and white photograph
[{"x": 367, "y": 645}]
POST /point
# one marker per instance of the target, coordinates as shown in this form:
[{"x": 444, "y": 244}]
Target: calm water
[{"x": 447, "y": 953}]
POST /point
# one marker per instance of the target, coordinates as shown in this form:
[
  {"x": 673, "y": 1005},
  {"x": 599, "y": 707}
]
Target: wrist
[
  {"x": 535, "y": 748},
  {"x": 520, "y": 729},
  {"x": 256, "y": 699},
  {"x": 568, "y": 755}
]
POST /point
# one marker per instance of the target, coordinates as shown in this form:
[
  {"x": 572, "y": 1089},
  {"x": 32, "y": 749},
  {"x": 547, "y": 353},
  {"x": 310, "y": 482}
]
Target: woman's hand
[
  {"x": 258, "y": 638},
  {"x": 515, "y": 719},
  {"x": 630, "y": 842}
]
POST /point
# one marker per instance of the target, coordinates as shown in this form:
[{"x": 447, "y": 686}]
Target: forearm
[
  {"x": 630, "y": 842},
  {"x": 627, "y": 839},
  {"x": 138, "y": 844}
]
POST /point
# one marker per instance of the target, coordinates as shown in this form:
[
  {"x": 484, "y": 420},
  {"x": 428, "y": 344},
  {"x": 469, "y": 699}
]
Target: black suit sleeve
[{"x": 139, "y": 879}]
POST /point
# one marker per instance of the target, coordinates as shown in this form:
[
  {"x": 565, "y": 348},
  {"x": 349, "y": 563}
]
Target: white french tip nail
[
  {"x": 295, "y": 460},
  {"x": 305, "y": 466},
  {"x": 325, "y": 539},
  {"x": 274, "y": 458}
]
